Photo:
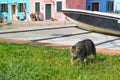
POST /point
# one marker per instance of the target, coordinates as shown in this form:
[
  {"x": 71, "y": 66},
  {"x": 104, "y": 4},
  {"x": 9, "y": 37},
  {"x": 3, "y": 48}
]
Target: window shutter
[
  {"x": 18, "y": 7},
  {"x": 0, "y": 8},
  {"x": 6, "y": 8},
  {"x": 59, "y": 6},
  {"x": 37, "y": 7}
]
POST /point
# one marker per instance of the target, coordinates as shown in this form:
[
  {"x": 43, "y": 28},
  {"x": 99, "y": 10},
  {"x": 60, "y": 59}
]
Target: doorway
[
  {"x": 95, "y": 6},
  {"x": 47, "y": 11},
  {"x": 13, "y": 12}
]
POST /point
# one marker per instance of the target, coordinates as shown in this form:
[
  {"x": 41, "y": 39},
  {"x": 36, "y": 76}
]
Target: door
[
  {"x": 95, "y": 6},
  {"x": 13, "y": 12},
  {"x": 47, "y": 11}
]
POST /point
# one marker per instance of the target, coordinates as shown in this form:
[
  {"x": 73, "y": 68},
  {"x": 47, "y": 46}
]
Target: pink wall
[
  {"x": 56, "y": 15},
  {"x": 76, "y": 4}
]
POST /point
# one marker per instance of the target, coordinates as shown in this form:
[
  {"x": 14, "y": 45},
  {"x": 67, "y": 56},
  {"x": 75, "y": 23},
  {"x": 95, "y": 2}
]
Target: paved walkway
[{"x": 60, "y": 36}]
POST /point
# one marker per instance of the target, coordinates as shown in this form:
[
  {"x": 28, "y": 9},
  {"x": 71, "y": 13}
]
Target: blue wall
[
  {"x": 9, "y": 2},
  {"x": 102, "y": 5},
  {"x": 88, "y": 4}
]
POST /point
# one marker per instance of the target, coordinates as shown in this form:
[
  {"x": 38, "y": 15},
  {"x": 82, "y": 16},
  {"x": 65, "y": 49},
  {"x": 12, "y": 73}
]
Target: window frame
[
  {"x": 4, "y": 8},
  {"x": 110, "y": 6},
  {"x": 21, "y": 9}
]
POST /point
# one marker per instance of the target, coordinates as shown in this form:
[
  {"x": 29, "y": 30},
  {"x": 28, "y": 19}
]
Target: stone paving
[{"x": 60, "y": 36}]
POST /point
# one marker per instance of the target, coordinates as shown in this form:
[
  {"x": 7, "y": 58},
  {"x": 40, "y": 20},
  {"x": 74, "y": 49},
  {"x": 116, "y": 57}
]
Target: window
[
  {"x": 37, "y": 6},
  {"x": 4, "y": 7},
  {"x": 110, "y": 6},
  {"x": 59, "y": 6},
  {"x": 22, "y": 7}
]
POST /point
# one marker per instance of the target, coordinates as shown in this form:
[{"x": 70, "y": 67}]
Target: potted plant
[{"x": 33, "y": 17}]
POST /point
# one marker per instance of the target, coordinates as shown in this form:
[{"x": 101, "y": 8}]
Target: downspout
[{"x": 24, "y": 9}]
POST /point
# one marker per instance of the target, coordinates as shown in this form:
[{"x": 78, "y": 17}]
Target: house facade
[
  {"x": 53, "y": 8},
  {"x": 14, "y": 9},
  {"x": 76, "y": 4},
  {"x": 48, "y": 9},
  {"x": 100, "y": 5}
]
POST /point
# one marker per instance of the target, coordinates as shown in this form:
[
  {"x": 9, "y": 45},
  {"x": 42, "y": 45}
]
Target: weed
[{"x": 22, "y": 62}]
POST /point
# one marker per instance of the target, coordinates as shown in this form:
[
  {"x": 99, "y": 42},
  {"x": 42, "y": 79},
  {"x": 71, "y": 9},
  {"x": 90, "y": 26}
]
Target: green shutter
[
  {"x": 48, "y": 11},
  {"x": 37, "y": 7},
  {"x": 18, "y": 7},
  {"x": 0, "y": 8},
  {"x": 59, "y": 6},
  {"x": 6, "y": 8}
]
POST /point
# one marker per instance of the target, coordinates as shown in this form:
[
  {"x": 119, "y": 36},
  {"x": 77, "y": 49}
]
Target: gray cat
[{"x": 82, "y": 49}]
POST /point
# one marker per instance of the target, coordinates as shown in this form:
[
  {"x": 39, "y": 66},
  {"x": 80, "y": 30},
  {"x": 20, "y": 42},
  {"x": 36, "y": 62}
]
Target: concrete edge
[
  {"x": 60, "y": 46},
  {"x": 15, "y": 24},
  {"x": 35, "y": 28}
]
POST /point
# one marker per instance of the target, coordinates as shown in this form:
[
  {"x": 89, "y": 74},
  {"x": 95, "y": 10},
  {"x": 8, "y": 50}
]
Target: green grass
[
  {"x": 23, "y": 62},
  {"x": 0, "y": 26}
]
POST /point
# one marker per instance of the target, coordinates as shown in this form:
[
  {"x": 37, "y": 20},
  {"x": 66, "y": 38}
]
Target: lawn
[
  {"x": 0, "y": 25},
  {"x": 23, "y": 62}
]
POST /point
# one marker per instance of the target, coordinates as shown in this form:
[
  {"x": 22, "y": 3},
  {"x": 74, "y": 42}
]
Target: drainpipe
[{"x": 24, "y": 8}]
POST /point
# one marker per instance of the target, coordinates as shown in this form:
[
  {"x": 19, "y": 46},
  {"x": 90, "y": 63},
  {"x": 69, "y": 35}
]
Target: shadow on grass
[{"x": 91, "y": 60}]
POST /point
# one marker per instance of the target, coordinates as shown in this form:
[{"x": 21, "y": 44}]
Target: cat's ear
[{"x": 73, "y": 47}]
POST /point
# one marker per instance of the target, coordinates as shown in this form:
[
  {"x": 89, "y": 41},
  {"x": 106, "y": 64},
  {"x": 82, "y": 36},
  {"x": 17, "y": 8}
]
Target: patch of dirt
[{"x": 61, "y": 46}]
